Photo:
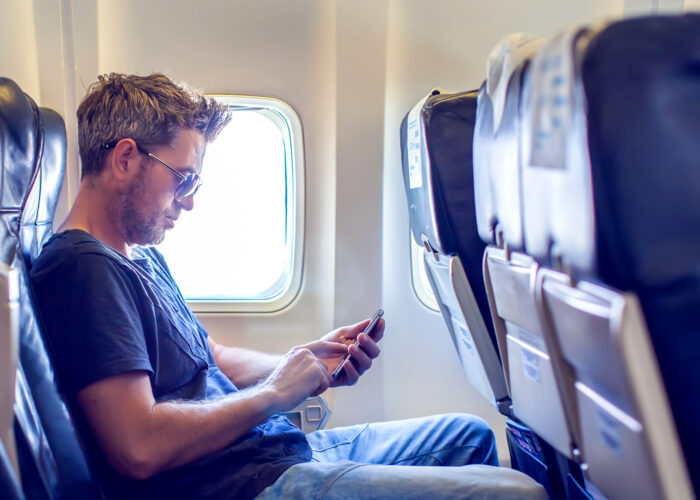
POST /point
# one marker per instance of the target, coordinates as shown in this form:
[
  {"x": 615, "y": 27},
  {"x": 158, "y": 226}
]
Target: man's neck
[{"x": 91, "y": 213}]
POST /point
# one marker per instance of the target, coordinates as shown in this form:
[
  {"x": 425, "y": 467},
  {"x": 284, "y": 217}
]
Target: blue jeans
[{"x": 376, "y": 461}]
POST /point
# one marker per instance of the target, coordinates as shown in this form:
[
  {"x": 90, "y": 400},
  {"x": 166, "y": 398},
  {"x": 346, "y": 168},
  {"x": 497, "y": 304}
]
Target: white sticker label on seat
[
  {"x": 466, "y": 342},
  {"x": 609, "y": 430},
  {"x": 414, "y": 146},
  {"x": 552, "y": 100},
  {"x": 531, "y": 365}
]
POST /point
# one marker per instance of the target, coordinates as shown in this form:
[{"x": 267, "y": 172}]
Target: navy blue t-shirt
[{"x": 105, "y": 315}]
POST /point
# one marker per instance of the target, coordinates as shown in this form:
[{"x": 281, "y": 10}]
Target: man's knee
[
  {"x": 470, "y": 423},
  {"x": 474, "y": 431},
  {"x": 465, "y": 439}
]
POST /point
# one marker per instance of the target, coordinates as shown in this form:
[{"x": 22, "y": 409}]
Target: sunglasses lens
[{"x": 188, "y": 187}]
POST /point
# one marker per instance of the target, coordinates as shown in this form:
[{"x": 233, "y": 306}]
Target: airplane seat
[
  {"x": 542, "y": 443},
  {"x": 496, "y": 148},
  {"x": 436, "y": 150},
  {"x": 51, "y": 460},
  {"x": 436, "y": 157},
  {"x": 530, "y": 362},
  {"x": 611, "y": 205}
]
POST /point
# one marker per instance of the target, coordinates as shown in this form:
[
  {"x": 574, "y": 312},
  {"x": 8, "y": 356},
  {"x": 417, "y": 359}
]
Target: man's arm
[
  {"x": 246, "y": 367},
  {"x": 140, "y": 437}
]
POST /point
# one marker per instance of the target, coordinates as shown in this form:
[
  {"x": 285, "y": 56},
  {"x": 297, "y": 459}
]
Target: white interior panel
[{"x": 18, "y": 57}]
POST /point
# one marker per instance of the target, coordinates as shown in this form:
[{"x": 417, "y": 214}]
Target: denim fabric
[
  {"x": 452, "y": 439},
  {"x": 378, "y": 461}
]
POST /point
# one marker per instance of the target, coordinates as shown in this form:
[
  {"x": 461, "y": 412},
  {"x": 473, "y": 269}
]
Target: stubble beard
[{"x": 137, "y": 226}]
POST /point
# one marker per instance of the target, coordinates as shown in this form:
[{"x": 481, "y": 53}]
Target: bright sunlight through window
[{"x": 240, "y": 248}]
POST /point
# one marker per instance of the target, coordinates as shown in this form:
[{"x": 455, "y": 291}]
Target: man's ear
[{"x": 125, "y": 161}]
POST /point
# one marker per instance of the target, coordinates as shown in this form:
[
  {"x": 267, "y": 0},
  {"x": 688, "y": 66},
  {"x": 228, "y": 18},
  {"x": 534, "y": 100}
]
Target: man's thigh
[
  {"x": 346, "y": 480},
  {"x": 452, "y": 439}
]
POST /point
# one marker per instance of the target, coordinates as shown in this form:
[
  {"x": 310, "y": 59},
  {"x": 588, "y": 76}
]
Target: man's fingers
[
  {"x": 361, "y": 360},
  {"x": 368, "y": 345},
  {"x": 378, "y": 332},
  {"x": 325, "y": 378},
  {"x": 350, "y": 374},
  {"x": 320, "y": 347},
  {"x": 366, "y": 349}
]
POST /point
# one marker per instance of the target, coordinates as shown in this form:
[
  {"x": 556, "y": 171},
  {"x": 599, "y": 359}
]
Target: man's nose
[{"x": 187, "y": 203}]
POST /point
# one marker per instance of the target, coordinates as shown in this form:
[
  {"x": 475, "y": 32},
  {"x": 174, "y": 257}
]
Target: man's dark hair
[{"x": 149, "y": 109}]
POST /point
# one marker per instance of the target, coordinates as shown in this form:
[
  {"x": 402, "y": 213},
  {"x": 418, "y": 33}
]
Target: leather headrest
[
  {"x": 642, "y": 82},
  {"x": 38, "y": 212},
  {"x": 33, "y": 152},
  {"x": 436, "y": 152},
  {"x": 21, "y": 140},
  {"x": 557, "y": 200},
  {"x": 615, "y": 191},
  {"x": 497, "y": 168}
]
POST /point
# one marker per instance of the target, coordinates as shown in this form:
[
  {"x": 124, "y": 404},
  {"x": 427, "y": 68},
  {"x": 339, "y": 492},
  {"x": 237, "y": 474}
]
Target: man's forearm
[
  {"x": 198, "y": 429},
  {"x": 141, "y": 437},
  {"x": 244, "y": 367}
]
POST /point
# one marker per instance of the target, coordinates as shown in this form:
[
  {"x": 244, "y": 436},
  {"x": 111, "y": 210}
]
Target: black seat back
[
  {"x": 436, "y": 148},
  {"x": 36, "y": 223},
  {"x": 611, "y": 204},
  {"x": 52, "y": 462}
]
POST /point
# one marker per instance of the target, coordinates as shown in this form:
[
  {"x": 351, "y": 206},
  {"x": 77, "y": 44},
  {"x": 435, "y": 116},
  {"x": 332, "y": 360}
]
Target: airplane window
[
  {"x": 240, "y": 248},
  {"x": 419, "y": 278}
]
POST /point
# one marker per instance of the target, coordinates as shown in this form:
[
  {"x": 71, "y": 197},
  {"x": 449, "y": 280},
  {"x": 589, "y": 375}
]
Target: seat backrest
[
  {"x": 51, "y": 459},
  {"x": 613, "y": 206},
  {"x": 531, "y": 366},
  {"x": 496, "y": 170},
  {"x": 436, "y": 146},
  {"x": 36, "y": 223}
]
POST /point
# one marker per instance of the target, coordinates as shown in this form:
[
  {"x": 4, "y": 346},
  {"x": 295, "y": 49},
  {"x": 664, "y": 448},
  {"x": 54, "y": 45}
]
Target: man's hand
[
  {"x": 301, "y": 374},
  {"x": 361, "y": 355},
  {"x": 293, "y": 375}
]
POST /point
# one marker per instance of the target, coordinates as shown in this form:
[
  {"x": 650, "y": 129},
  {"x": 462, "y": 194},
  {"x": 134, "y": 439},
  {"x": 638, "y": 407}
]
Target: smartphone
[{"x": 368, "y": 331}]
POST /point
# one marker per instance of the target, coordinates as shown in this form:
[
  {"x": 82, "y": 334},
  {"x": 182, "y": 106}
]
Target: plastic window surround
[
  {"x": 289, "y": 284},
  {"x": 419, "y": 278}
]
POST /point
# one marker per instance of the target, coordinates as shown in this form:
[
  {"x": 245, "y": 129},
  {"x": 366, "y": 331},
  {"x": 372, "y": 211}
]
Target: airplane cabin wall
[
  {"x": 351, "y": 70},
  {"x": 18, "y": 57}
]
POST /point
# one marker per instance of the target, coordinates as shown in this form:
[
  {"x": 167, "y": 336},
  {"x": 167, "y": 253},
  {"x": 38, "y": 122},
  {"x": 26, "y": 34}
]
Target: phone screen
[{"x": 370, "y": 327}]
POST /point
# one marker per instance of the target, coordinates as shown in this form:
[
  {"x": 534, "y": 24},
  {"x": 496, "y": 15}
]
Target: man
[{"x": 165, "y": 411}]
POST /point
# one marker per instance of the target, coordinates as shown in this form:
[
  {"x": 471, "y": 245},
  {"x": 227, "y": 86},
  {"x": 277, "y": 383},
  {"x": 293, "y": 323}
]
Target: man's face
[{"x": 146, "y": 208}]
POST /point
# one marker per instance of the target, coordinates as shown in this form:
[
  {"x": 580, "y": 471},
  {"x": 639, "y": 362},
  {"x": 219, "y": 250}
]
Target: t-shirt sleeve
[{"x": 93, "y": 320}]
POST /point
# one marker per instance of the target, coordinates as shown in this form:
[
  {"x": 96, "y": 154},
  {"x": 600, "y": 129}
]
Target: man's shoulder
[{"x": 68, "y": 248}]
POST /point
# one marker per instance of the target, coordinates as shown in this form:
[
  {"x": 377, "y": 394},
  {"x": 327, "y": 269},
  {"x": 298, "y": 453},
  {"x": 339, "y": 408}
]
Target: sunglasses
[{"x": 189, "y": 184}]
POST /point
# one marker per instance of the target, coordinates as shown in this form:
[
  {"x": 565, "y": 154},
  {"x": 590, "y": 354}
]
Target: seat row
[{"x": 558, "y": 207}]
